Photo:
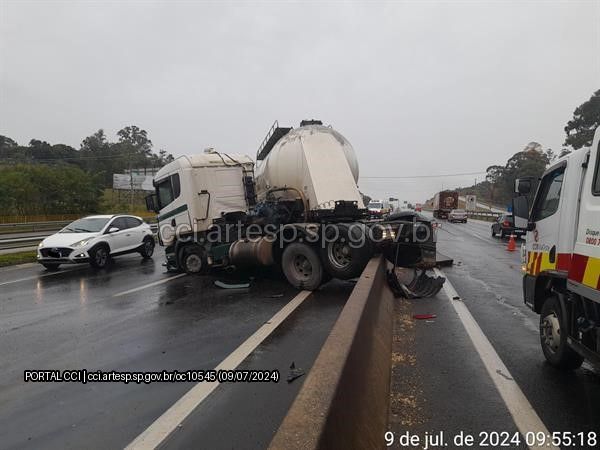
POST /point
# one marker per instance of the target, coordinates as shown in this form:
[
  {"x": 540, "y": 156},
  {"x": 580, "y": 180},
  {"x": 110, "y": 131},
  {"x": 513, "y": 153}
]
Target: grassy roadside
[{"x": 10, "y": 259}]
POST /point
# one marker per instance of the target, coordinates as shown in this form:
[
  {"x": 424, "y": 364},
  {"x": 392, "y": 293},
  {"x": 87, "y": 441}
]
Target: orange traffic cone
[{"x": 512, "y": 246}]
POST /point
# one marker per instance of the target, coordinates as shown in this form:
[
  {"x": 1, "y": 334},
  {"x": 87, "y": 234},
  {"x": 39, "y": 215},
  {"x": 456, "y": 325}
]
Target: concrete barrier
[{"x": 344, "y": 400}]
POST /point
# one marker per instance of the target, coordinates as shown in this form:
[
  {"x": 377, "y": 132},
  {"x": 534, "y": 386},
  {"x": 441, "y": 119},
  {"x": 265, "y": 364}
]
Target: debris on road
[
  {"x": 421, "y": 285},
  {"x": 443, "y": 260},
  {"x": 424, "y": 316},
  {"x": 294, "y": 373},
  {"x": 224, "y": 285}
]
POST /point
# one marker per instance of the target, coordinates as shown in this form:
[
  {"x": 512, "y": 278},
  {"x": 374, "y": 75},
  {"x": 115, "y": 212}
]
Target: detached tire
[
  {"x": 302, "y": 267},
  {"x": 346, "y": 256},
  {"x": 147, "y": 248},
  {"x": 192, "y": 259},
  {"x": 99, "y": 257},
  {"x": 553, "y": 340}
]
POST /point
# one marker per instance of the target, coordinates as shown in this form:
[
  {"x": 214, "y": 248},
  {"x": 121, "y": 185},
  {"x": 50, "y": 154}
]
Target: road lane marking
[
  {"x": 523, "y": 414},
  {"x": 166, "y": 424},
  {"x": 35, "y": 277},
  {"x": 146, "y": 286}
]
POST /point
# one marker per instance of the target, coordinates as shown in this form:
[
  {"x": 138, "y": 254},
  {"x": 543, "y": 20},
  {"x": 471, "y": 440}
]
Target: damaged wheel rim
[{"x": 339, "y": 254}]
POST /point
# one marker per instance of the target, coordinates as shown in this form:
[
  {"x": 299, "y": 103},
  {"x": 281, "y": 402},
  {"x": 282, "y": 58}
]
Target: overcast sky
[{"x": 419, "y": 88}]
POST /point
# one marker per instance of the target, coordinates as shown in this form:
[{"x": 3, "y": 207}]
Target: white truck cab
[
  {"x": 193, "y": 192},
  {"x": 562, "y": 257}
]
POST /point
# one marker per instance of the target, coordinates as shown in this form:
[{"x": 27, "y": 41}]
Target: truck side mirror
[
  {"x": 523, "y": 185},
  {"x": 521, "y": 212},
  {"x": 151, "y": 203}
]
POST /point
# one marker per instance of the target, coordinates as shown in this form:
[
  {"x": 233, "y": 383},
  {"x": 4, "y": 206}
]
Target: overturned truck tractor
[{"x": 298, "y": 208}]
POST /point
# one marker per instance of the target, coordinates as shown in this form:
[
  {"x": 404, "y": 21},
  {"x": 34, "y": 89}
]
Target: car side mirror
[
  {"x": 113, "y": 230},
  {"x": 521, "y": 212}
]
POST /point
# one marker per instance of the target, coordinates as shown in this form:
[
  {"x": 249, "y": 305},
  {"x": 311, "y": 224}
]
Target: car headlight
[
  {"x": 40, "y": 244},
  {"x": 81, "y": 243}
]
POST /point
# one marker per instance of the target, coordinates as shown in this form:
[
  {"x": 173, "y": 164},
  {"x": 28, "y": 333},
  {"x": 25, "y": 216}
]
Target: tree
[
  {"x": 586, "y": 118},
  {"x": 134, "y": 145},
  {"x": 493, "y": 176}
]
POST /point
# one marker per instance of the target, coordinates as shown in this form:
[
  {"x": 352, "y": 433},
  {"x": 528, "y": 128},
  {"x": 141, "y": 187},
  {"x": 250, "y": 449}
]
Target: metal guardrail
[
  {"x": 30, "y": 241},
  {"x": 482, "y": 215},
  {"x": 33, "y": 226}
]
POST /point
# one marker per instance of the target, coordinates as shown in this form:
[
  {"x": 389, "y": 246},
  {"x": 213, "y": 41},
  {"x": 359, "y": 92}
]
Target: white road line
[
  {"x": 35, "y": 277},
  {"x": 523, "y": 414},
  {"x": 145, "y": 286},
  {"x": 166, "y": 424}
]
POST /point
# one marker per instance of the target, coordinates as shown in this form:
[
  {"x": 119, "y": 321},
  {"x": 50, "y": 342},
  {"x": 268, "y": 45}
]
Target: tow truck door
[{"x": 542, "y": 240}]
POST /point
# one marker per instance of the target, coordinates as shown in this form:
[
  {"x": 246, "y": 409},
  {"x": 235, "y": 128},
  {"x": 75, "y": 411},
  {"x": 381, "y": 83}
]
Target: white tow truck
[
  {"x": 562, "y": 255},
  {"x": 299, "y": 208}
]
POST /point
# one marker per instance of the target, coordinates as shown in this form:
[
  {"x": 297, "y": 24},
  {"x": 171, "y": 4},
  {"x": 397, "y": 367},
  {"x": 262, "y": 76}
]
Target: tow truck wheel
[
  {"x": 554, "y": 342},
  {"x": 192, "y": 259},
  {"x": 346, "y": 256},
  {"x": 301, "y": 266}
]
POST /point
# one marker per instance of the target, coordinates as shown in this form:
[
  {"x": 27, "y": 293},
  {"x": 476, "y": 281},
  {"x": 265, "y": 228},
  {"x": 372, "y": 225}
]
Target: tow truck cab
[{"x": 562, "y": 257}]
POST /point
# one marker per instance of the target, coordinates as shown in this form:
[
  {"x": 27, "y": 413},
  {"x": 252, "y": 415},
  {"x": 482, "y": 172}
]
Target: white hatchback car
[{"x": 96, "y": 239}]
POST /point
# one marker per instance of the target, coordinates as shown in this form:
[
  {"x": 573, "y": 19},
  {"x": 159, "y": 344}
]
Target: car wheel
[
  {"x": 51, "y": 266},
  {"x": 347, "y": 255},
  {"x": 192, "y": 259},
  {"x": 554, "y": 342},
  {"x": 301, "y": 266},
  {"x": 99, "y": 257},
  {"x": 147, "y": 248}
]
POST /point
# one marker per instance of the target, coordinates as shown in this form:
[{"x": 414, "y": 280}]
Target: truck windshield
[
  {"x": 165, "y": 192},
  {"x": 168, "y": 190},
  {"x": 375, "y": 205},
  {"x": 546, "y": 202}
]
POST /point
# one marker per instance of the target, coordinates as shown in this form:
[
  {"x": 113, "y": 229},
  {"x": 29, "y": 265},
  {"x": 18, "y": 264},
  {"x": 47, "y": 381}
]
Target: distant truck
[
  {"x": 443, "y": 203},
  {"x": 562, "y": 255},
  {"x": 378, "y": 208}
]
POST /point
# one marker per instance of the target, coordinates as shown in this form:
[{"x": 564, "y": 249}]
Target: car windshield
[
  {"x": 376, "y": 205},
  {"x": 86, "y": 225}
]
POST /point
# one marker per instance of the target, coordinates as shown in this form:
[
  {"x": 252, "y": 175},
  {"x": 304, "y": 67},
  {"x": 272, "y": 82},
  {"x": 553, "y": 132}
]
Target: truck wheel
[
  {"x": 301, "y": 266},
  {"x": 192, "y": 259},
  {"x": 147, "y": 248},
  {"x": 347, "y": 256},
  {"x": 553, "y": 337},
  {"x": 99, "y": 256}
]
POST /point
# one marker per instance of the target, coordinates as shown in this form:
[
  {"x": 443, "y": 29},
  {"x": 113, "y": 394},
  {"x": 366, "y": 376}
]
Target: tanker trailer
[{"x": 300, "y": 209}]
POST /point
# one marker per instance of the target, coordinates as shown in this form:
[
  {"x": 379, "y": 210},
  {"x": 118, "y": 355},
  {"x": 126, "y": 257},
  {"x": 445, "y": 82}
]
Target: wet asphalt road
[
  {"x": 79, "y": 318},
  {"x": 439, "y": 381}
]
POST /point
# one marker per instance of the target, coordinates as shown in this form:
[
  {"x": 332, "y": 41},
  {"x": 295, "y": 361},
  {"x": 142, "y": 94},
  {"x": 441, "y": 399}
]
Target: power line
[{"x": 423, "y": 176}]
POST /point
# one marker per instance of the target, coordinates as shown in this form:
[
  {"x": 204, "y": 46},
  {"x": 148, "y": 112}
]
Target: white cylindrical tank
[{"x": 314, "y": 159}]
